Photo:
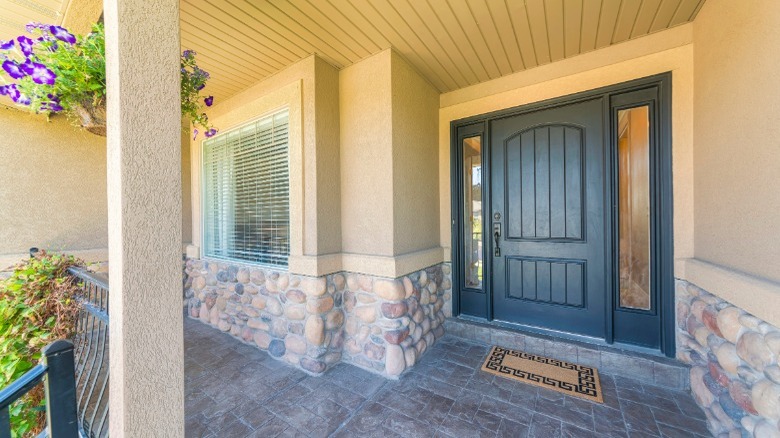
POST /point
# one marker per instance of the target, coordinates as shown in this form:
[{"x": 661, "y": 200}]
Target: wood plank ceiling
[
  {"x": 453, "y": 43},
  {"x": 15, "y": 14}
]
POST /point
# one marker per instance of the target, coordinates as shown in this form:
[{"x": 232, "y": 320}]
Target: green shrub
[{"x": 37, "y": 307}]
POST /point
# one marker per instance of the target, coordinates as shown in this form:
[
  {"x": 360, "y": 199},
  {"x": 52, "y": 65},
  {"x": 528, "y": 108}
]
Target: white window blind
[{"x": 246, "y": 193}]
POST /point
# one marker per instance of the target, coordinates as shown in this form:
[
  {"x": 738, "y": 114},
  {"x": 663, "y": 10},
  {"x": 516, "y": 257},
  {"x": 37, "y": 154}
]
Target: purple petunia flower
[
  {"x": 194, "y": 134},
  {"x": 201, "y": 86},
  {"x": 16, "y": 95},
  {"x": 42, "y": 75},
  {"x": 13, "y": 69},
  {"x": 31, "y": 26},
  {"x": 209, "y": 100},
  {"x": 9, "y": 90},
  {"x": 13, "y": 91},
  {"x": 211, "y": 132},
  {"x": 54, "y": 103},
  {"x": 6, "y": 45},
  {"x": 27, "y": 66},
  {"x": 62, "y": 34},
  {"x": 26, "y": 45},
  {"x": 188, "y": 54},
  {"x": 200, "y": 73}
]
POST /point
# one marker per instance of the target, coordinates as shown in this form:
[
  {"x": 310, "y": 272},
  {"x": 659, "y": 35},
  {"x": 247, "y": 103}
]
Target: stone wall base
[
  {"x": 382, "y": 325},
  {"x": 734, "y": 355}
]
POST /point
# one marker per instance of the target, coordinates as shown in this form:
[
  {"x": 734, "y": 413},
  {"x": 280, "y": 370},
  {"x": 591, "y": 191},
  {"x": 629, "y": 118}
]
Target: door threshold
[
  {"x": 572, "y": 338},
  {"x": 616, "y": 360}
]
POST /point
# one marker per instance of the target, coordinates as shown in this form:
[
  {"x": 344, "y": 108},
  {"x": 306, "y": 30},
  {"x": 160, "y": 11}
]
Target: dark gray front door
[{"x": 547, "y": 218}]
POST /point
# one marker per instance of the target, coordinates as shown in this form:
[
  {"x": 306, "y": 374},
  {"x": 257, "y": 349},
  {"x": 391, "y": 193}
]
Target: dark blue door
[{"x": 547, "y": 218}]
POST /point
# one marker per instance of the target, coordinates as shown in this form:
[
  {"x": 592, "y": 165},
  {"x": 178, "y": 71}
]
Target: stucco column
[{"x": 144, "y": 218}]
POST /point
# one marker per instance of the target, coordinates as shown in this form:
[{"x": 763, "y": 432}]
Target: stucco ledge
[{"x": 756, "y": 295}]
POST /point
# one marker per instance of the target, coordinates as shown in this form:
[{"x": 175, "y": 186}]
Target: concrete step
[{"x": 656, "y": 370}]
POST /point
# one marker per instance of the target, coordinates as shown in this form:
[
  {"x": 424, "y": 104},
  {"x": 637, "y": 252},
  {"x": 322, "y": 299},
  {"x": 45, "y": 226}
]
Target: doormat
[{"x": 568, "y": 378}]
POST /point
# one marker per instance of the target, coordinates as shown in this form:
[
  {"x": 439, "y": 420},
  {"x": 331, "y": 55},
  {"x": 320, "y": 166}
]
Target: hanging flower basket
[
  {"x": 55, "y": 71},
  {"x": 92, "y": 117}
]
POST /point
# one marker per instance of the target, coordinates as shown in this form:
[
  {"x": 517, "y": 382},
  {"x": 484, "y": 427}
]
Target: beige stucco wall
[
  {"x": 366, "y": 128},
  {"x": 670, "y": 50},
  {"x": 80, "y": 15},
  {"x": 186, "y": 195},
  {"x": 53, "y": 180},
  {"x": 737, "y": 136},
  {"x": 144, "y": 218},
  {"x": 327, "y": 159},
  {"x": 389, "y": 159},
  {"x": 737, "y": 163},
  {"x": 415, "y": 112},
  {"x": 52, "y": 187}
]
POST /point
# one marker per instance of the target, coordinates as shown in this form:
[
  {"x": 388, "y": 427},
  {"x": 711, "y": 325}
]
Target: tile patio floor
[{"x": 235, "y": 390}]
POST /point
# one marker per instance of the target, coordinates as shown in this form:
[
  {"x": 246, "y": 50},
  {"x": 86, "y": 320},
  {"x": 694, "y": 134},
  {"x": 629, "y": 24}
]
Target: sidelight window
[
  {"x": 472, "y": 229},
  {"x": 634, "y": 207}
]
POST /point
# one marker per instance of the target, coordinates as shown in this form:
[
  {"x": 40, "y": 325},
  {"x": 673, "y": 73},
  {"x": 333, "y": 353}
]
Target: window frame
[{"x": 202, "y": 194}]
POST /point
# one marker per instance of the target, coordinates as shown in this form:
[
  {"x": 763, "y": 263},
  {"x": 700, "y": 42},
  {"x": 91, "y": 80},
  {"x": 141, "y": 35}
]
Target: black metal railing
[
  {"x": 74, "y": 374},
  {"x": 91, "y": 352},
  {"x": 56, "y": 371}
]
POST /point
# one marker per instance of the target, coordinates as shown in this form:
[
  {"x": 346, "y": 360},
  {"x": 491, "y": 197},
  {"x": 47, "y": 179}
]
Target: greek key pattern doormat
[{"x": 568, "y": 378}]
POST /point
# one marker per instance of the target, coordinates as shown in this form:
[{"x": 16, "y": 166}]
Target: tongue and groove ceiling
[
  {"x": 14, "y": 14},
  {"x": 453, "y": 43}
]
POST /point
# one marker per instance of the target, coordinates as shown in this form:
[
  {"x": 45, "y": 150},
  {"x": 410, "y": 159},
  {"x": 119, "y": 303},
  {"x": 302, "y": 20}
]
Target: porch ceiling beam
[{"x": 144, "y": 217}]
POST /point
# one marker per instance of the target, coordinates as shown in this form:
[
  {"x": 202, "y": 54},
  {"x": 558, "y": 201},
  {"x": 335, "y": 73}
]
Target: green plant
[
  {"x": 193, "y": 79},
  {"x": 56, "y": 71},
  {"x": 37, "y": 306},
  {"x": 70, "y": 71}
]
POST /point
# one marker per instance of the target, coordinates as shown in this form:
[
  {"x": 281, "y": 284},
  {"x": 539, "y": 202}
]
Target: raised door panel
[
  {"x": 543, "y": 185},
  {"x": 553, "y": 281}
]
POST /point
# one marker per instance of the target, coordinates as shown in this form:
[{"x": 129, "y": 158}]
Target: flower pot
[{"x": 93, "y": 117}]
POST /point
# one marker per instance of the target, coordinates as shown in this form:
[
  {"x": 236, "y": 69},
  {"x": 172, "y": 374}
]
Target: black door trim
[
  {"x": 663, "y": 259},
  {"x": 478, "y": 300}
]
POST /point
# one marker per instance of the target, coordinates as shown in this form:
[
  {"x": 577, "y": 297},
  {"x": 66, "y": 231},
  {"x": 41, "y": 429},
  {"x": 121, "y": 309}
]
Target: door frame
[{"x": 663, "y": 258}]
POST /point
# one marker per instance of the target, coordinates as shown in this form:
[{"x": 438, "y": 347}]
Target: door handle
[{"x": 497, "y": 238}]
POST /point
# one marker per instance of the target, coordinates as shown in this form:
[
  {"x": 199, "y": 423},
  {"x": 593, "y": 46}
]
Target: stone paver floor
[{"x": 235, "y": 390}]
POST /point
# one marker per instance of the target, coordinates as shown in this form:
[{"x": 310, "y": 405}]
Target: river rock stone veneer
[
  {"x": 735, "y": 375},
  {"x": 383, "y": 325}
]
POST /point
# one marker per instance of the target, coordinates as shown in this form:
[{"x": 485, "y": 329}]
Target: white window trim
[
  {"x": 289, "y": 97},
  {"x": 202, "y": 163}
]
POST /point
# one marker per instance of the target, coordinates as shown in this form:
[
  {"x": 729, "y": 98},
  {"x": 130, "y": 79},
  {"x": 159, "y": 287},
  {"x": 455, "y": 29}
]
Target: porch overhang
[{"x": 451, "y": 44}]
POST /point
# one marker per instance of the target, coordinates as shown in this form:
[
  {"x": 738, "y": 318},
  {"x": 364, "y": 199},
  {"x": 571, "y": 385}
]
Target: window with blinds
[{"x": 246, "y": 193}]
